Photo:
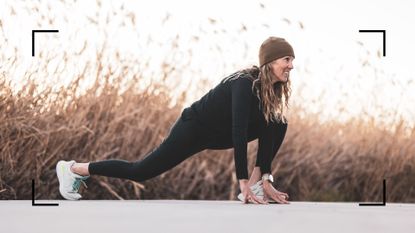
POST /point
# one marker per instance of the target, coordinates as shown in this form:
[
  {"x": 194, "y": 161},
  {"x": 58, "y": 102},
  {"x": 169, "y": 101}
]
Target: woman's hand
[
  {"x": 271, "y": 193},
  {"x": 249, "y": 196}
]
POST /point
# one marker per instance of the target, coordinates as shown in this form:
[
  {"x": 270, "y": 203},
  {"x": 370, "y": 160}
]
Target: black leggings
[{"x": 186, "y": 138}]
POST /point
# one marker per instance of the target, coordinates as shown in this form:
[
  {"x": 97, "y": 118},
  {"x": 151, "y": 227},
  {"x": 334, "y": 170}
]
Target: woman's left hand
[{"x": 271, "y": 193}]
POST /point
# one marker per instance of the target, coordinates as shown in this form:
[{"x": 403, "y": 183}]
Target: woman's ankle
[{"x": 80, "y": 169}]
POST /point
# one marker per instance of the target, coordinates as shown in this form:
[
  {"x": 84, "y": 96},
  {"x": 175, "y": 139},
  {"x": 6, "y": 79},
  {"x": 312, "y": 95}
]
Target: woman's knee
[
  {"x": 136, "y": 172},
  {"x": 149, "y": 168}
]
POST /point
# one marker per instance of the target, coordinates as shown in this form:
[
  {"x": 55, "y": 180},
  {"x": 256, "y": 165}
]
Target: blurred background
[{"x": 115, "y": 78}]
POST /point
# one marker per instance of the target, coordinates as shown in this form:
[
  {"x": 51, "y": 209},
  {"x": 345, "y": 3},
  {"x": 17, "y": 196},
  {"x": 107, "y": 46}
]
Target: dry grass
[
  {"x": 114, "y": 118},
  {"x": 326, "y": 162}
]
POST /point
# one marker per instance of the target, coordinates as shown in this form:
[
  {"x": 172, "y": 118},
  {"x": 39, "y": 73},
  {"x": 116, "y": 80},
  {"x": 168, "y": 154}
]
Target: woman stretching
[{"x": 247, "y": 105}]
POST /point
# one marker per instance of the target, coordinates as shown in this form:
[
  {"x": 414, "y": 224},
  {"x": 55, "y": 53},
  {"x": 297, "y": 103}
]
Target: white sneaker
[
  {"x": 69, "y": 182},
  {"x": 256, "y": 189}
]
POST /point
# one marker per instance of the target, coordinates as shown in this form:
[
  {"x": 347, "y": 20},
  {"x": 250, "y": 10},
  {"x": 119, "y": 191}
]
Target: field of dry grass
[
  {"x": 323, "y": 162},
  {"x": 115, "y": 118}
]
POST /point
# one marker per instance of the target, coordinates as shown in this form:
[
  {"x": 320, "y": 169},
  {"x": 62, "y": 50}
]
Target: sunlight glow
[{"x": 338, "y": 71}]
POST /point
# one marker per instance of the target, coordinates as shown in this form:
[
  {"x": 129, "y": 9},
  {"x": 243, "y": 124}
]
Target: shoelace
[{"x": 77, "y": 184}]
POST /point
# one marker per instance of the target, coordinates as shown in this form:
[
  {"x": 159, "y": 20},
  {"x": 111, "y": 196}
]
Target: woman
[{"x": 247, "y": 105}]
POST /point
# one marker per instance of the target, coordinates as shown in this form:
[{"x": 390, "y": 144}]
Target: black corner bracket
[
  {"x": 378, "y": 204},
  {"x": 39, "y": 204},
  {"x": 384, "y": 38},
  {"x": 33, "y": 38}
]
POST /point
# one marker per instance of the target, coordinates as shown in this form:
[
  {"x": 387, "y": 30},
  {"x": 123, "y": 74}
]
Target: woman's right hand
[{"x": 270, "y": 193}]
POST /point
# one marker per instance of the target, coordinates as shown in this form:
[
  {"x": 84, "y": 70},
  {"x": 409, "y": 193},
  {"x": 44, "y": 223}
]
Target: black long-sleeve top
[{"x": 231, "y": 110}]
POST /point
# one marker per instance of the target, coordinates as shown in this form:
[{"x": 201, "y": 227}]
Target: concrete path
[{"x": 170, "y": 216}]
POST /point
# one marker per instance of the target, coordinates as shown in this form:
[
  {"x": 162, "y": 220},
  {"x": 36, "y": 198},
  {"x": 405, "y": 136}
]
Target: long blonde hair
[{"x": 273, "y": 97}]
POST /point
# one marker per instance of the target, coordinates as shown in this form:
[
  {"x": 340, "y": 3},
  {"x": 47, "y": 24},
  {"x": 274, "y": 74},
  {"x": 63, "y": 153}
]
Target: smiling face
[{"x": 281, "y": 68}]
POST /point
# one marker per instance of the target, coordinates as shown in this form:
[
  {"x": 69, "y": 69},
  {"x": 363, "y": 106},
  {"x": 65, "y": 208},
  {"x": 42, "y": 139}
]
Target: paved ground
[{"x": 170, "y": 216}]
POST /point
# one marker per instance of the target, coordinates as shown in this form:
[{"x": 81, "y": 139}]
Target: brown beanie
[{"x": 274, "y": 48}]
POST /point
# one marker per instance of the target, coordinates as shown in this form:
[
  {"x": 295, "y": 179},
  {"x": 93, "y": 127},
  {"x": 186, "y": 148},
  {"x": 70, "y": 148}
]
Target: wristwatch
[{"x": 268, "y": 177}]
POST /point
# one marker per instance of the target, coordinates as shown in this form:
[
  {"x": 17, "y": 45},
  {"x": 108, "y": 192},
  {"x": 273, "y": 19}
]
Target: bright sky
[{"x": 330, "y": 52}]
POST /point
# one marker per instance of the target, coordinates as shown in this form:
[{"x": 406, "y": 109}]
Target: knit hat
[{"x": 274, "y": 48}]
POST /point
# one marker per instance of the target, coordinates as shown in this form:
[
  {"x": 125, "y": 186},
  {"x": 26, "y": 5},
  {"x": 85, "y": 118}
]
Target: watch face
[{"x": 268, "y": 177}]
